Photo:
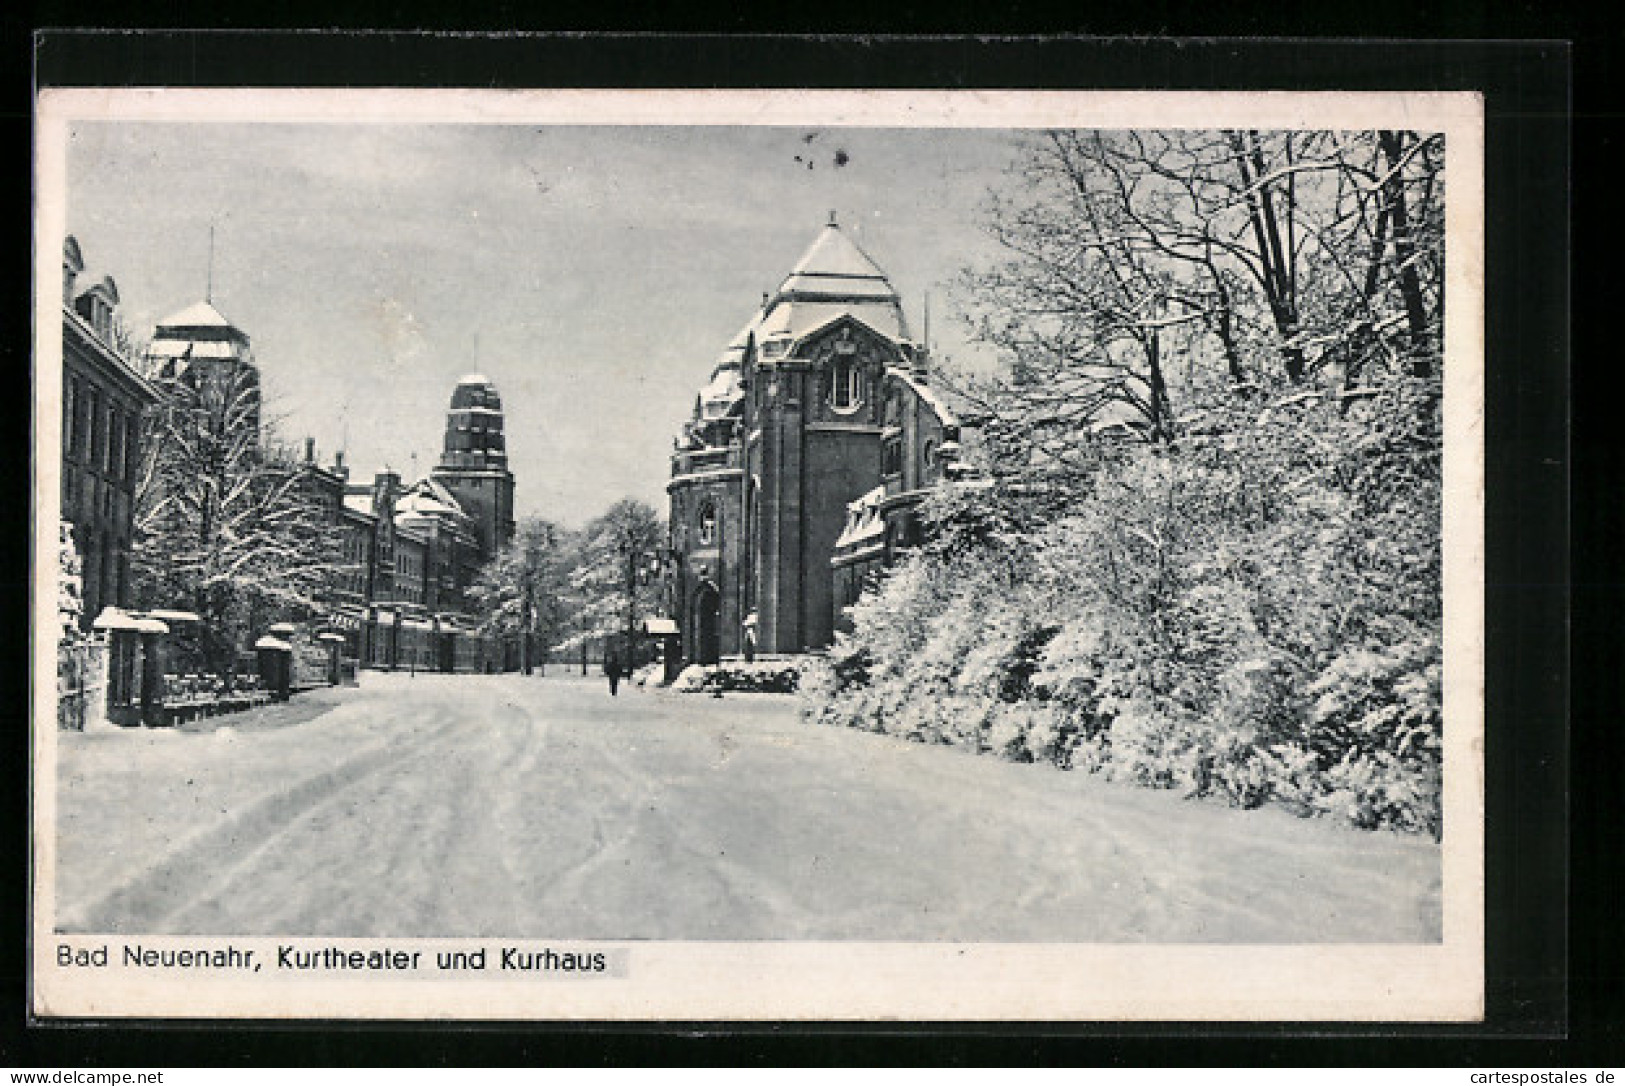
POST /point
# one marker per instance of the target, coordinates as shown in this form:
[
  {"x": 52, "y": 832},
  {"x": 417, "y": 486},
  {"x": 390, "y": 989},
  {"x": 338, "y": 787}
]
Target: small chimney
[
  {"x": 765, "y": 297},
  {"x": 338, "y": 465},
  {"x": 310, "y": 450}
]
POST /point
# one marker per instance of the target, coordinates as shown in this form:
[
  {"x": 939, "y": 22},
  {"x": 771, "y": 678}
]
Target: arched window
[
  {"x": 846, "y": 384},
  {"x": 707, "y": 524}
]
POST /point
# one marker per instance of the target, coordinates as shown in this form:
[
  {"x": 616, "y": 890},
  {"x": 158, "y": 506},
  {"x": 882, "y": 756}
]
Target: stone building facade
[
  {"x": 822, "y": 398},
  {"x": 415, "y": 548},
  {"x": 105, "y": 404}
]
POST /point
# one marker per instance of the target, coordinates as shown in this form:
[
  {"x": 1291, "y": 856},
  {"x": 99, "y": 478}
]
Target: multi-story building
[
  {"x": 418, "y": 546},
  {"x": 104, "y": 406},
  {"x": 819, "y": 401}
]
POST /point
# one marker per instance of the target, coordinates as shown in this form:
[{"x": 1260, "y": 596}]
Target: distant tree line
[{"x": 556, "y": 590}]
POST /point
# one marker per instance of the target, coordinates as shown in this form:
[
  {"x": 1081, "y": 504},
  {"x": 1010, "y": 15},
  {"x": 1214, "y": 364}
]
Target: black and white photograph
[{"x": 837, "y": 555}]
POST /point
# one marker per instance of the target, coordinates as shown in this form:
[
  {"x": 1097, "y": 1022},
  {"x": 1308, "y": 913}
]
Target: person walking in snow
[{"x": 612, "y": 668}]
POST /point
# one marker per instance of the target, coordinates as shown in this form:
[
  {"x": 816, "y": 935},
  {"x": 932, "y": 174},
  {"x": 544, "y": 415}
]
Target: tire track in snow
[
  {"x": 186, "y": 874},
  {"x": 647, "y": 815}
]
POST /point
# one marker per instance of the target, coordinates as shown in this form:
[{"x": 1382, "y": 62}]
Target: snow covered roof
[
  {"x": 722, "y": 393},
  {"x": 428, "y": 498},
  {"x": 475, "y": 391},
  {"x": 798, "y": 318},
  {"x": 834, "y": 276},
  {"x": 930, "y": 395},
  {"x": 179, "y": 348},
  {"x": 359, "y": 503},
  {"x": 864, "y": 523},
  {"x": 199, "y": 315},
  {"x": 833, "y": 255}
]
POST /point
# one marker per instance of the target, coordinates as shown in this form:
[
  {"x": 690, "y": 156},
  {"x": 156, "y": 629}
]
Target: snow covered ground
[{"x": 504, "y": 806}]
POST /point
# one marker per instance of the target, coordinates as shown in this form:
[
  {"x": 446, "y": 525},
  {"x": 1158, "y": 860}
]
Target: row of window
[
  {"x": 98, "y": 432},
  {"x": 844, "y": 385}
]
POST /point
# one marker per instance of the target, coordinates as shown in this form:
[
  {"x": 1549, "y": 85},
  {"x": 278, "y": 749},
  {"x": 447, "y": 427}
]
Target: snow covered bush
[
  {"x": 1204, "y": 553},
  {"x": 70, "y": 597},
  {"x": 739, "y": 677},
  {"x": 1231, "y": 618}
]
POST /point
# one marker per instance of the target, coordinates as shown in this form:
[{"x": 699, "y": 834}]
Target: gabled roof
[{"x": 428, "y": 498}]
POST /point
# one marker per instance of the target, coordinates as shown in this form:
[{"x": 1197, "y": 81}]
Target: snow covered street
[{"x": 503, "y": 806}]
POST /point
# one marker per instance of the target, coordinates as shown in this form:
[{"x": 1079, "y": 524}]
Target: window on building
[
  {"x": 891, "y": 456},
  {"x": 132, "y": 448},
  {"x": 115, "y": 446},
  {"x": 98, "y": 430},
  {"x": 707, "y": 524},
  {"x": 76, "y": 424},
  {"x": 69, "y": 388},
  {"x": 846, "y": 384}
]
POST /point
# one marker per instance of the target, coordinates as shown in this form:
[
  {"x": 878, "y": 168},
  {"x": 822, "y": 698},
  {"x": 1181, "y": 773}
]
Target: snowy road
[{"x": 501, "y": 806}]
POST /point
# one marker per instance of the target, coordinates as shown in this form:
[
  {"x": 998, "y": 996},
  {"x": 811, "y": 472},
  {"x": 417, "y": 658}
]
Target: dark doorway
[{"x": 707, "y": 623}]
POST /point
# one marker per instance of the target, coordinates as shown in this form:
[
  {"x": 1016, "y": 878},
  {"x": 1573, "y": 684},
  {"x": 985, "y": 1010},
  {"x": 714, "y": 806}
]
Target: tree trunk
[
  {"x": 1274, "y": 264},
  {"x": 1410, "y": 284}
]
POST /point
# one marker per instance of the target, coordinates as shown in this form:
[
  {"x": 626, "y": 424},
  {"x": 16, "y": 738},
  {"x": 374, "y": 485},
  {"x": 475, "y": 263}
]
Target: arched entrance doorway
[{"x": 707, "y": 624}]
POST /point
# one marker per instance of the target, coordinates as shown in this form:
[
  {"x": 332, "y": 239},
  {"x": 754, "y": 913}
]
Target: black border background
[{"x": 1527, "y": 89}]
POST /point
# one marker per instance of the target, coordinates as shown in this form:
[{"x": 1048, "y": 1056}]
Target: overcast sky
[{"x": 593, "y": 273}]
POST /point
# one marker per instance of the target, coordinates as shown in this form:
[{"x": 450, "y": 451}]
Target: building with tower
[
  {"x": 473, "y": 466},
  {"x": 823, "y": 402},
  {"x": 416, "y": 546},
  {"x": 199, "y": 341}
]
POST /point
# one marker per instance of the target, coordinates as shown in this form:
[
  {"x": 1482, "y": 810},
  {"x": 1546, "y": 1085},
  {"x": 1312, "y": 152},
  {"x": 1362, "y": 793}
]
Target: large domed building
[{"x": 810, "y": 444}]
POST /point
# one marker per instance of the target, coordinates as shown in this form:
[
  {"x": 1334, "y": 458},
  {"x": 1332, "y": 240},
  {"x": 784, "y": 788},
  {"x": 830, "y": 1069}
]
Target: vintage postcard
[{"x": 854, "y": 556}]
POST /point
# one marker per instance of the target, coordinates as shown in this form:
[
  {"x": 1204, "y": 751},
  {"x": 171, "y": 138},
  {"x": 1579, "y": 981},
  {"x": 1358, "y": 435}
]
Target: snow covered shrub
[
  {"x": 1006, "y": 735},
  {"x": 1383, "y": 791},
  {"x": 1148, "y": 746},
  {"x": 690, "y": 679},
  {"x": 1384, "y": 698},
  {"x": 737, "y": 676},
  {"x": 1294, "y": 777},
  {"x": 1250, "y": 609},
  {"x": 1025, "y": 731},
  {"x": 1379, "y": 712},
  {"x": 70, "y": 597}
]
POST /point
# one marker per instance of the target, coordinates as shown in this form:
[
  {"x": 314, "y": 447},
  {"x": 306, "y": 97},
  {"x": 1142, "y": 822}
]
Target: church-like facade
[{"x": 799, "y": 472}]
